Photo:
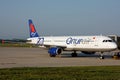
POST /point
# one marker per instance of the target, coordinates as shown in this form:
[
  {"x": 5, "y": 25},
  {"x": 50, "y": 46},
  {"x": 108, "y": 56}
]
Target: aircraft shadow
[{"x": 96, "y": 55}]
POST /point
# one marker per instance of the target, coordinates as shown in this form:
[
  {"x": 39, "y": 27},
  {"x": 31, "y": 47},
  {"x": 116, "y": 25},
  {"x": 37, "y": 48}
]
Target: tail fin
[{"x": 33, "y": 32}]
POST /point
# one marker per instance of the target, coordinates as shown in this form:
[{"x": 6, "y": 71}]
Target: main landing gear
[{"x": 74, "y": 54}]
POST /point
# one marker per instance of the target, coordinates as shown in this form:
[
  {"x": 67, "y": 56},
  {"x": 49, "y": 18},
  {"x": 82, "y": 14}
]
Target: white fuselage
[{"x": 76, "y": 43}]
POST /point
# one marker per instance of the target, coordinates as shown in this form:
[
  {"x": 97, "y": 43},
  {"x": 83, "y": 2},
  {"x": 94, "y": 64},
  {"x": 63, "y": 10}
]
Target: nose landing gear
[{"x": 101, "y": 56}]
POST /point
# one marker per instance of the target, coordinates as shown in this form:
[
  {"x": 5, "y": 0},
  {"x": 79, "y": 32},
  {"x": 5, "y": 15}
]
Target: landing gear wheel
[
  {"x": 74, "y": 54},
  {"x": 102, "y": 57}
]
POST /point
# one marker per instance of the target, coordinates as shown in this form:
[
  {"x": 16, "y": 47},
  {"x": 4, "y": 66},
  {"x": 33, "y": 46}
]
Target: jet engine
[{"x": 54, "y": 51}]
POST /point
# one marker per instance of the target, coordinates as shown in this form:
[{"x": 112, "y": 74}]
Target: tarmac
[{"x": 36, "y": 57}]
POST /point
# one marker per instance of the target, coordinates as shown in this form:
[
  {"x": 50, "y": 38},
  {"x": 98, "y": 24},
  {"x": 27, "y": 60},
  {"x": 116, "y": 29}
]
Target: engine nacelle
[
  {"x": 54, "y": 51},
  {"x": 85, "y": 52}
]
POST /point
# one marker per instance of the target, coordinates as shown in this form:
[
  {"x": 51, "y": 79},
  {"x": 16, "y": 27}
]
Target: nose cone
[{"x": 113, "y": 46}]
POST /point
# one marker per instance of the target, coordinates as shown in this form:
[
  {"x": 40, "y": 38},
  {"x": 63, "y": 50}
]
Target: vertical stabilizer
[{"x": 33, "y": 32}]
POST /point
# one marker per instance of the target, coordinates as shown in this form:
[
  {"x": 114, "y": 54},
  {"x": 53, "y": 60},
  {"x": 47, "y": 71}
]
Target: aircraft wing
[{"x": 60, "y": 46}]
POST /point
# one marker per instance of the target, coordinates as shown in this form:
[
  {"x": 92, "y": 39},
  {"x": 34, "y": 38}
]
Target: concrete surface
[{"x": 37, "y": 57}]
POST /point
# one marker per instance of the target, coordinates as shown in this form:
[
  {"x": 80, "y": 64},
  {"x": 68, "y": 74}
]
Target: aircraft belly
[{"x": 90, "y": 49}]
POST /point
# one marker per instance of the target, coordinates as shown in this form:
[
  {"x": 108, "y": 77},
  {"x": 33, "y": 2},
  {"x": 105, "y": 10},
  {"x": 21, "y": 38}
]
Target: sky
[{"x": 59, "y": 17}]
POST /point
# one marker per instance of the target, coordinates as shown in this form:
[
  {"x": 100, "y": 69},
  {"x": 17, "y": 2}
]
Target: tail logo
[
  {"x": 33, "y": 34},
  {"x": 33, "y": 31},
  {"x": 32, "y": 28}
]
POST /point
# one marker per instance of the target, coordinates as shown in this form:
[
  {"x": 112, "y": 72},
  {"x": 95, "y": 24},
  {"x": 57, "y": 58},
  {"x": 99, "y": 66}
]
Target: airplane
[{"x": 57, "y": 44}]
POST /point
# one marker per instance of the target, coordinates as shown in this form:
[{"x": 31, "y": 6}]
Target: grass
[{"x": 61, "y": 73}]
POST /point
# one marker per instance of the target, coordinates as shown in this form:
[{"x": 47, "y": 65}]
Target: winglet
[{"x": 33, "y": 32}]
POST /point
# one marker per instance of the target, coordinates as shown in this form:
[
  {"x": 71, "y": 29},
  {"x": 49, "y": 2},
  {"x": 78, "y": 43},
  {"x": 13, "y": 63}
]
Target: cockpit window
[
  {"x": 107, "y": 41},
  {"x": 110, "y": 41}
]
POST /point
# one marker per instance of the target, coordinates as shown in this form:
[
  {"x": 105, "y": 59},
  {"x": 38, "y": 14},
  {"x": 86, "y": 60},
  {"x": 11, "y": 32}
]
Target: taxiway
[{"x": 37, "y": 57}]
